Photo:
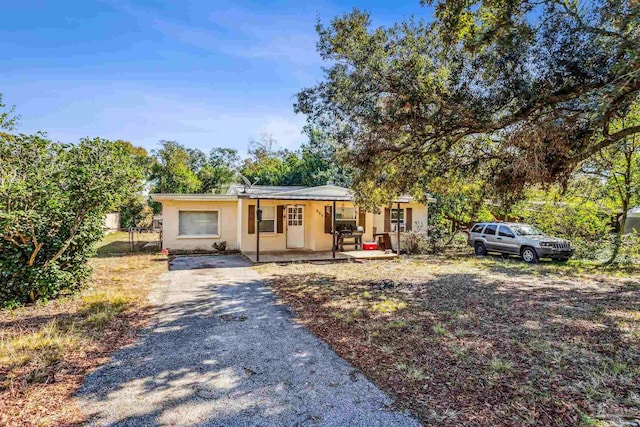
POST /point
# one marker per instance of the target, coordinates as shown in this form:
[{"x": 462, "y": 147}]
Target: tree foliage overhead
[{"x": 526, "y": 89}]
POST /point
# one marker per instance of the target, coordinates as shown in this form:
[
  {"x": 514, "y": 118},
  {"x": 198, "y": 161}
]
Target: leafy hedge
[{"x": 53, "y": 200}]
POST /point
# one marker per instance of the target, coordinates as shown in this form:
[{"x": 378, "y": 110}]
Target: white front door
[{"x": 295, "y": 226}]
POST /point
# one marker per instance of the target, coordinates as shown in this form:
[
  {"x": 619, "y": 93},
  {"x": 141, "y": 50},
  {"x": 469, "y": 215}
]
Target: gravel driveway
[{"x": 221, "y": 352}]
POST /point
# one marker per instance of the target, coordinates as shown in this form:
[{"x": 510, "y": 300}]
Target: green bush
[
  {"x": 591, "y": 250},
  {"x": 573, "y": 218},
  {"x": 630, "y": 249},
  {"x": 53, "y": 200},
  {"x": 600, "y": 250}
]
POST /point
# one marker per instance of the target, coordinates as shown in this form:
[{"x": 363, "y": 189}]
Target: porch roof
[
  {"x": 321, "y": 193},
  {"x": 327, "y": 193}
]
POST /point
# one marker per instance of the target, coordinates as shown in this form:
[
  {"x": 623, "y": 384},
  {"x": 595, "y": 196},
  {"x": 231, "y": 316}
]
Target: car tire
[
  {"x": 529, "y": 255},
  {"x": 480, "y": 249}
]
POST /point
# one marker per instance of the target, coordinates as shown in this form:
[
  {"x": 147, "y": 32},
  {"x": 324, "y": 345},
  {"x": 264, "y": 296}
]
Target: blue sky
[{"x": 204, "y": 73}]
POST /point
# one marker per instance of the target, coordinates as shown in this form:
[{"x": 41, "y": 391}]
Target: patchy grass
[
  {"x": 481, "y": 341},
  {"x": 118, "y": 244},
  {"x": 46, "y": 349}
]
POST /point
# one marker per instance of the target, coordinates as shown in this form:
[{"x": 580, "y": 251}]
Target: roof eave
[
  {"x": 292, "y": 197},
  {"x": 159, "y": 197}
]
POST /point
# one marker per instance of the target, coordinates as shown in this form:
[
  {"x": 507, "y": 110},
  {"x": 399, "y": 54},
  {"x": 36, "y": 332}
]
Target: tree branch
[
  {"x": 73, "y": 231},
  {"x": 606, "y": 142}
]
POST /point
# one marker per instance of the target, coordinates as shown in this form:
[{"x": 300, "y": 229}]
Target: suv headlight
[{"x": 546, "y": 244}]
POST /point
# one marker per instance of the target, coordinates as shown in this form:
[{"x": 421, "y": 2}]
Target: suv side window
[
  {"x": 491, "y": 229},
  {"x": 477, "y": 228},
  {"x": 505, "y": 231}
]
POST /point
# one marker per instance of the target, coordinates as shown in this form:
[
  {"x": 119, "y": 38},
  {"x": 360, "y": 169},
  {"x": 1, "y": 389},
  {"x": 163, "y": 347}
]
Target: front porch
[{"x": 309, "y": 256}]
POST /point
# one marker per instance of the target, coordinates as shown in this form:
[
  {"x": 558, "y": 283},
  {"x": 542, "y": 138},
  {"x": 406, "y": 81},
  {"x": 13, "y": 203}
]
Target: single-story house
[{"x": 293, "y": 218}]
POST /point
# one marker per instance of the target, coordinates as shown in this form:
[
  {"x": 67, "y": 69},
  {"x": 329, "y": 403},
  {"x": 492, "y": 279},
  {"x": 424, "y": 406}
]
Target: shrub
[
  {"x": 53, "y": 199},
  {"x": 437, "y": 237},
  {"x": 574, "y": 218},
  {"x": 592, "y": 250},
  {"x": 630, "y": 249}
]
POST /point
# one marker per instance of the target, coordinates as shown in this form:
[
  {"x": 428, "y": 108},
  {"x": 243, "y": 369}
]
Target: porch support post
[
  {"x": 398, "y": 228},
  {"x": 333, "y": 230},
  {"x": 257, "y": 232}
]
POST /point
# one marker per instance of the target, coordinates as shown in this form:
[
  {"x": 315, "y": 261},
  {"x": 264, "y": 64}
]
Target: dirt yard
[
  {"x": 480, "y": 341},
  {"x": 47, "y": 348}
]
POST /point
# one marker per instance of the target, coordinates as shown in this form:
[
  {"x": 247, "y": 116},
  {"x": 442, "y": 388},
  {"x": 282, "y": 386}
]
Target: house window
[
  {"x": 397, "y": 220},
  {"x": 268, "y": 223},
  {"x": 198, "y": 223},
  {"x": 345, "y": 219}
]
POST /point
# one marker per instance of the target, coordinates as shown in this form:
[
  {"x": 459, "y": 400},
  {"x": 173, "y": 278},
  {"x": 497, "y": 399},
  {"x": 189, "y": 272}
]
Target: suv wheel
[
  {"x": 480, "y": 249},
  {"x": 529, "y": 255}
]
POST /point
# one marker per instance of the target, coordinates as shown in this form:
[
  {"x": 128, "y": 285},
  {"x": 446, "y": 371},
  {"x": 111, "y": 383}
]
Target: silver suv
[{"x": 511, "y": 238}]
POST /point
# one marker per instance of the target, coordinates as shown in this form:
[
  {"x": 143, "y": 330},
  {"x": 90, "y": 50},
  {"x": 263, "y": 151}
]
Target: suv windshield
[{"x": 526, "y": 230}]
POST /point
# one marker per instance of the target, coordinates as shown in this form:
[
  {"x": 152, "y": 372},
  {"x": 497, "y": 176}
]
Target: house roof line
[
  {"x": 325, "y": 193},
  {"x": 193, "y": 196}
]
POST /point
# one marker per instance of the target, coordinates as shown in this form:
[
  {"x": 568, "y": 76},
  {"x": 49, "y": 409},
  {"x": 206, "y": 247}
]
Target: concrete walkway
[{"x": 221, "y": 352}]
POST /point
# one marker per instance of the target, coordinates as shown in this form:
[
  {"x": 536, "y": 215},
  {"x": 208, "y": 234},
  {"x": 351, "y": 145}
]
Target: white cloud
[{"x": 286, "y": 130}]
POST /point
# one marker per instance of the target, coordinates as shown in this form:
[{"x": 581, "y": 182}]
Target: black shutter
[
  {"x": 328, "y": 220},
  {"x": 252, "y": 219},
  {"x": 280, "y": 219}
]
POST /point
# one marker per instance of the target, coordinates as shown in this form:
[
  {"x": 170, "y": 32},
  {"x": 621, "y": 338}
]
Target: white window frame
[
  {"x": 275, "y": 220},
  {"x": 394, "y": 222},
  {"x": 198, "y": 236}
]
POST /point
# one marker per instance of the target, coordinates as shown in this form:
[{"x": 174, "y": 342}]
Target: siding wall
[
  {"x": 228, "y": 217},
  {"x": 420, "y": 215},
  {"x": 234, "y": 228},
  {"x": 315, "y": 238}
]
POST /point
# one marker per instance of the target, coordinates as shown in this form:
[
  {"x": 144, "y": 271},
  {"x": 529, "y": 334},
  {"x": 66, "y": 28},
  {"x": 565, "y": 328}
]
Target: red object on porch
[{"x": 369, "y": 246}]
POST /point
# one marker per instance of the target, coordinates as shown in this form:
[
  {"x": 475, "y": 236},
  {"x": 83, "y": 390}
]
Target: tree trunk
[
  {"x": 626, "y": 200},
  {"x": 617, "y": 241},
  {"x": 455, "y": 227}
]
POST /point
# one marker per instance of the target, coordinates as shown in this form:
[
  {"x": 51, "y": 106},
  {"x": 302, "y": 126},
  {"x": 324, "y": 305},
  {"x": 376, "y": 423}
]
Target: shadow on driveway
[{"x": 221, "y": 352}]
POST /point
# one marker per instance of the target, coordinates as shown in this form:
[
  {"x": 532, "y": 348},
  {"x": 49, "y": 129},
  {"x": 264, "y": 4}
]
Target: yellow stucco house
[{"x": 262, "y": 220}]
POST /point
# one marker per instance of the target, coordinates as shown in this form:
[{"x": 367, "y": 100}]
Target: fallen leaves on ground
[{"x": 469, "y": 341}]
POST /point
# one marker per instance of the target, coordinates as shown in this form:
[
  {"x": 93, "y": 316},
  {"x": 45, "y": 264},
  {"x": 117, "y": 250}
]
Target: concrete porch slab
[{"x": 308, "y": 256}]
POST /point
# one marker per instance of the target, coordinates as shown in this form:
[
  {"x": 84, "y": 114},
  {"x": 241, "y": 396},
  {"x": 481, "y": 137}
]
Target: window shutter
[
  {"x": 387, "y": 220},
  {"x": 280, "y": 219},
  {"x": 252, "y": 219},
  {"x": 362, "y": 219},
  {"x": 408, "y": 219},
  {"x": 328, "y": 219}
]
